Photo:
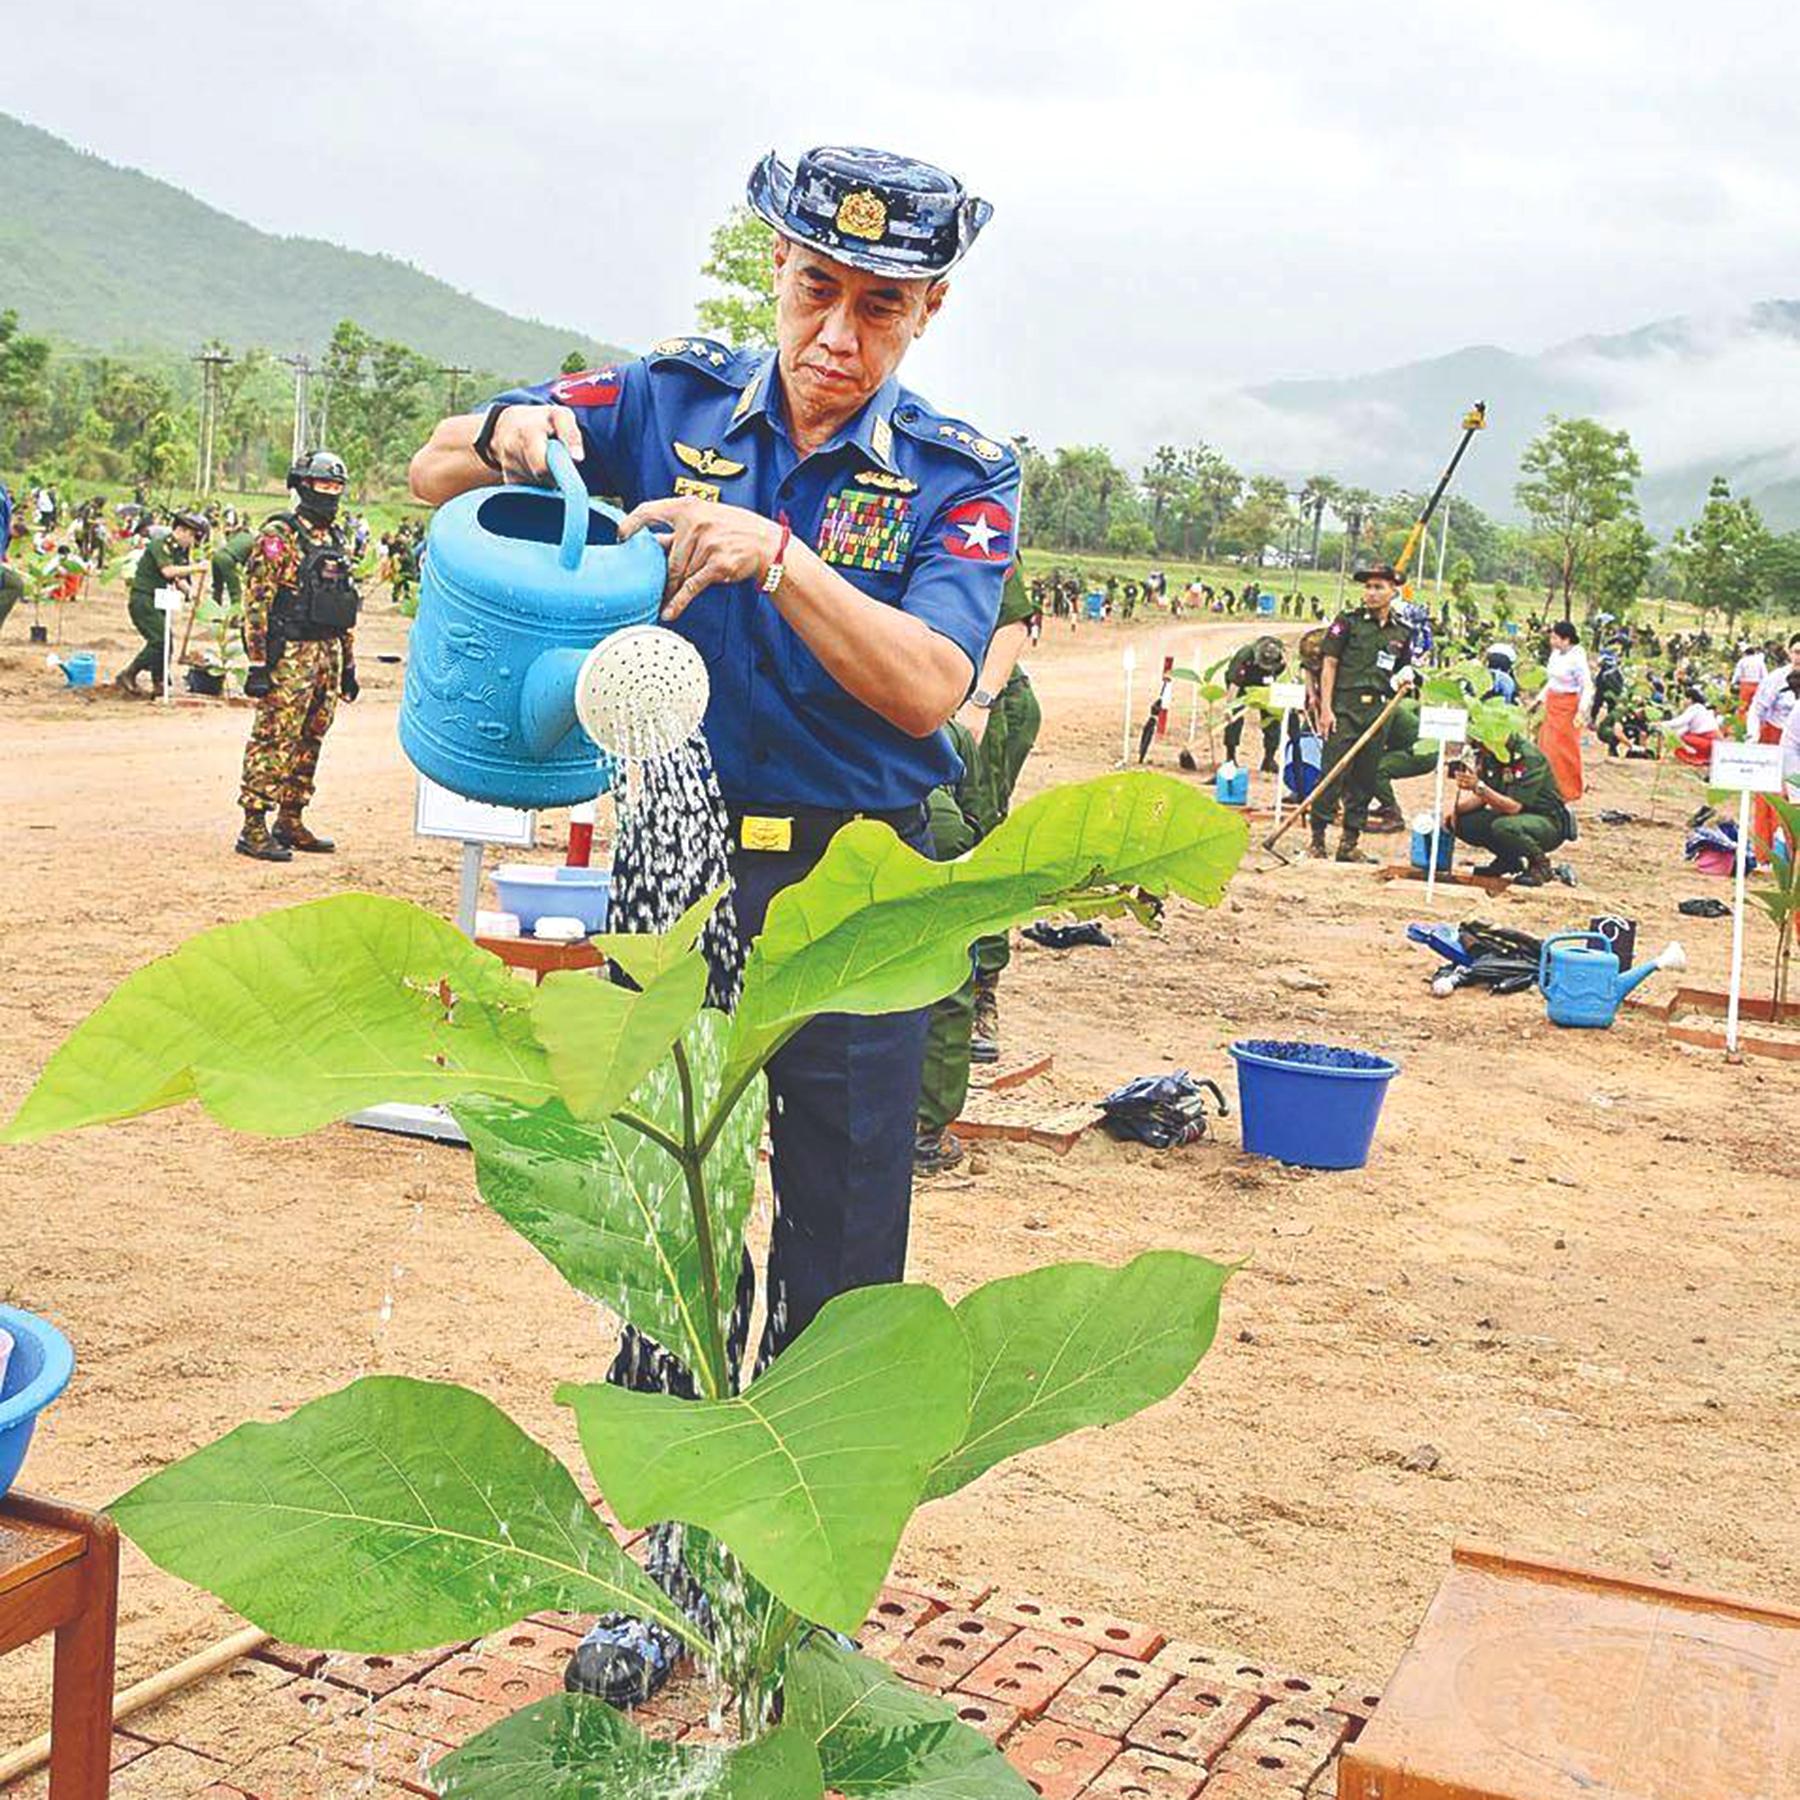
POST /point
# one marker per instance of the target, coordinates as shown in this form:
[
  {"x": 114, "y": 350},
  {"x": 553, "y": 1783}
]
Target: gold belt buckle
[{"x": 766, "y": 834}]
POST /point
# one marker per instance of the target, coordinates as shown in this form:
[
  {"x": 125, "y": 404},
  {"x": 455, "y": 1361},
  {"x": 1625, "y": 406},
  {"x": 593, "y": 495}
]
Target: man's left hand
[
  {"x": 709, "y": 544},
  {"x": 974, "y": 719}
]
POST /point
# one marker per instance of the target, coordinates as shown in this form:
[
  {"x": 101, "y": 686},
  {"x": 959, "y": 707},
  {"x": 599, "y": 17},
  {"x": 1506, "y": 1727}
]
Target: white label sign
[
  {"x": 169, "y": 600},
  {"x": 1444, "y": 724},
  {"x": 442, "y": 814},
  {"x": 1746, "y": 768},
  {"x": 1287, "y": 695}
]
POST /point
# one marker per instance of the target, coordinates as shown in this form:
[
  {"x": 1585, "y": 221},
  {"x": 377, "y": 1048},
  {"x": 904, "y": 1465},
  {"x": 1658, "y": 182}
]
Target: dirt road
[{"x": 1569, "y": 1268}]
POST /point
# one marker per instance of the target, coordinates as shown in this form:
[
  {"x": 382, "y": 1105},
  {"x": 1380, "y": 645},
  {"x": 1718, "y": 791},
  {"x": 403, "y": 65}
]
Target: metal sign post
[
  {"x": 1125, "y": 742},
  {"x": 1448, "y": 725},
  {"x": 1287, "y": 697},
  {"x": 168, "y": 603},
  {"x": 1742, "y": 769}
]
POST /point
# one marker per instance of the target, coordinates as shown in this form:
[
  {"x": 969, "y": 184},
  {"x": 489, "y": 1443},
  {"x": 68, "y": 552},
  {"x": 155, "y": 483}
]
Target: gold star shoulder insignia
[
  {"x": 675, "y": 346},
  {"x": 707, "y": 462}
]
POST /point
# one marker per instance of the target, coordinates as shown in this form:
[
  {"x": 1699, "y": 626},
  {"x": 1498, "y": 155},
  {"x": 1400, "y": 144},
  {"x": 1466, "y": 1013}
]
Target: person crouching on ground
[{"x": 1512, "y": 807}]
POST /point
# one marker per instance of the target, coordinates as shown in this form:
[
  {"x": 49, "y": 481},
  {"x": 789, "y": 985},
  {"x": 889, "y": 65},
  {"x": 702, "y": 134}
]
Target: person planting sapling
[{"x": 836, "y": 548}]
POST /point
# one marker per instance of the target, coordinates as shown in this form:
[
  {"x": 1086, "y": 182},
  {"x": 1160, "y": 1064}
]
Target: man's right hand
[
  {"x": 258, "y": 681},
  {"x": 1327, "y": 720},
  {"x": 522, "y": 438}
]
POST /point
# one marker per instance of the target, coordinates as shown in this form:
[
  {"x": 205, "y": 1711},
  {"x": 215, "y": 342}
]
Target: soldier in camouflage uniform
[{"x": 299, "y": 607}]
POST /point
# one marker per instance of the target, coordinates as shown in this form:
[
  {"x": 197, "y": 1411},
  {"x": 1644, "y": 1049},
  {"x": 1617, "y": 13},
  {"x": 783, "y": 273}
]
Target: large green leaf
[
  {"x": 609, "y": 1208},
  {"x": 603, "y": 1039},
  {"x": 876, "y": 1736},
  {"x": 392, "y": 1515},
  {"x": 283, "y": 1023},
  {"x": 875, "y": 927},
  {"x": 573, "y": 1748},
  {"x": 810, "y": 1475},
  {"x": 645, "y": 955},
  {"x": 1075, "y": 1344}
]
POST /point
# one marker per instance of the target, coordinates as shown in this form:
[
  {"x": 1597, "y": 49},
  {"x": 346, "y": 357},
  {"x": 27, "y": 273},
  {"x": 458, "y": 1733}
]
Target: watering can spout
[
  {"x": 547, "y": 699},
  {"x": 1673, "y": 957}
]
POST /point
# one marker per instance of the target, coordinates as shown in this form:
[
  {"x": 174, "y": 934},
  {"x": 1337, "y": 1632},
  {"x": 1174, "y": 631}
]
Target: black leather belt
[{"x": 779, "y": 829}]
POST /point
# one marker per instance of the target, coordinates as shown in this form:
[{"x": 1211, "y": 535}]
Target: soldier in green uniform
[
  {"x": 965, "y": 1026},
  {"x": 1401, "y": 758},
  {"x": 1255, "y": 664},
  {"x": 300, "y": 605},
  {"x": 1367, "y": 656},
  {"x": 164, "y": 562},
  {"x": 1510, "y": 805},
  {"x": 228, "y": 568}
]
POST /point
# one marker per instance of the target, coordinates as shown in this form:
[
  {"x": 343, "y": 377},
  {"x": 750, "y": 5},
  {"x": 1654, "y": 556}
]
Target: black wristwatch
[{"x": 484, "y": 438}]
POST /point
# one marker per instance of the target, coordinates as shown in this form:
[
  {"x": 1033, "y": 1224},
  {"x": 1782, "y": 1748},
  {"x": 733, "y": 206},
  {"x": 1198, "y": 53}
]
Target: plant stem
[
  {"x": 692, "y": 1158},
  {"x": 655, "y": 1133}
]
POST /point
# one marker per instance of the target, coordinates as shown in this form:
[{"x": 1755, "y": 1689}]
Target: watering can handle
[
  {"x": 1561, "y": 937},
  {"x": 576, "y": 502}
]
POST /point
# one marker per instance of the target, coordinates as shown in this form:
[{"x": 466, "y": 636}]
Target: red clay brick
[
  {"x": 546, "y": 1648},
  {"x": 379, "y": 1675},
  {"x": 230, "y": 1718},
  {"x": 1301, "y": 1734},
  {"x": 292, "y": 1658},
  {"x": 434, "y": 1712},
  {"x": 1059, "y": 1760},
  {"x": 1208, "y": 1662},
  {"x": 579, "y": 1623},
  {"x": 1111, "y": 1694},
  {"x": 897, "y": 1613},
  {"x": 952, "y": 1595},
  {"x": 1269, "y": 1772},
  {"x": 1123, "y": 1637},
  {"x": 989, "y": 1717},
  {"x": 1029, "y": 1670},
  {"x": 290, "y": 1773},
  {"x": 168, "y": 1769},
  {"x": 1142, "y": 1775},
  {"x": 1234, "y": 1784},
  {"x": 396, "y": 1756},
  {"x": 1357, "y": 1698},
  {"x": 1195, "y": 1720},
  {"x": 507, "y": 1685},
  {"x": 947, "y": 1648}
]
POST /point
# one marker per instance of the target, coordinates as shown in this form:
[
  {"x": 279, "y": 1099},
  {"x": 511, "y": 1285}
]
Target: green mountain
[{"x": 107, "y": 258}]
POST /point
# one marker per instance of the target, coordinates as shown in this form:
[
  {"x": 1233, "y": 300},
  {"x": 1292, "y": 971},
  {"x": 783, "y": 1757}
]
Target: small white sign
[
  {"x": 1288, "y": 696},
  {"x": 1444, "y": 724},
  {"x": 170, "y": 600},
  {"x": 442, "y": 814},
  {"x": 1746, "y": 768}
]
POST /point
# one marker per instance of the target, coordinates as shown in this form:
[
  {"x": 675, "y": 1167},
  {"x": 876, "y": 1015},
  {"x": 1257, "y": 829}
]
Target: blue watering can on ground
[
  {"x": 518, "y": 587},
  {"x": 1581, "y": 982}
]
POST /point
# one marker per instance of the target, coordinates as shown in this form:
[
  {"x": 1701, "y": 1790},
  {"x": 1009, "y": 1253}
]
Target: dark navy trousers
[{"x": 843, "y": 1105}]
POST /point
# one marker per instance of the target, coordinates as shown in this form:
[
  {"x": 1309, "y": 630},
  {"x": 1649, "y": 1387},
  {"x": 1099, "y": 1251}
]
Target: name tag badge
[
  {"x": 766, "y": 834},
  {"x": 1385, "y": 662}
]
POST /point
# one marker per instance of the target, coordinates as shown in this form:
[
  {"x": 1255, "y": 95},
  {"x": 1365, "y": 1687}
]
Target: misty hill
[
  {"x": 1700, "y": 396},
  {"x": 107, "y": 258}
]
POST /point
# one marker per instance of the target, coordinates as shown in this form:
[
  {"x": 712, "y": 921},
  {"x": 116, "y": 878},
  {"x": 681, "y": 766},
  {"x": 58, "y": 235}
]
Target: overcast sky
[{"x": 1188, "y": 197}]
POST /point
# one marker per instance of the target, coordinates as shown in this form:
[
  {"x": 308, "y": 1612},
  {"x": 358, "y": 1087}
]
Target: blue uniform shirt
[{"x": 915, "y": 509}]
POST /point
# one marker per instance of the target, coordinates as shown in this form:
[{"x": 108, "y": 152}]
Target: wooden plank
[{"x": 29, "y": 1550}]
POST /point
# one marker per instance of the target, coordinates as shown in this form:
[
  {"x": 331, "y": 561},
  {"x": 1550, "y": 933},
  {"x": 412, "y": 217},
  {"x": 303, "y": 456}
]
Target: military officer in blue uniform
[{"x": 837, "y": 547}]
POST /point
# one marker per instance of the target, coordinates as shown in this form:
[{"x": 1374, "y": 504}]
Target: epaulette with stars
[
  {"x": 707, "y": 354},
  {"x": 927, "y": 427}
]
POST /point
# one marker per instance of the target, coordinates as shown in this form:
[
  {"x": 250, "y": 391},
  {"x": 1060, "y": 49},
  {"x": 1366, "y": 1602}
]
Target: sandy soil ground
[{"x": 1569, "y": 1267}]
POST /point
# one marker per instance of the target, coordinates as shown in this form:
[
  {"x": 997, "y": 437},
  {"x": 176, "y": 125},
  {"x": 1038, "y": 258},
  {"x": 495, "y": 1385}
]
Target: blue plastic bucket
[
  {"x": 1265, "y": 604},
  {"x": 1421, "y": 851},
  {"x": 36, "y": 1372},
  {"x": 78, "y": 670},
  {"x": 540, "y": 891},
  {"x": 1311, "y": 1104},
  {"x": 1096, "y": 605},
  {"x": 1232, "y": 790},
  {"x": 1305, "y": 758}
]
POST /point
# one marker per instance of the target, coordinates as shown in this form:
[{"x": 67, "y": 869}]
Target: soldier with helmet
[{"x": 300, "y": 606}]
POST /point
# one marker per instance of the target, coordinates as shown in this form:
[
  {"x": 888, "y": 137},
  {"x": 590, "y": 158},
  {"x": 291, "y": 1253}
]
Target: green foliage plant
[{"x": 616, "y": 1129}]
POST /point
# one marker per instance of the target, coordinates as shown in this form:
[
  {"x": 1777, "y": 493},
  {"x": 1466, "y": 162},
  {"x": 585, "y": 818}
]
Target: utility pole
[
  {"x": 213, "y": 364},
  {"x": 456, "y": 372},
  {"x": 302, "y": 367}
]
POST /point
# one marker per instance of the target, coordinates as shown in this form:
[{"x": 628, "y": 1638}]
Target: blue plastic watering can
[
  {"x": 518, "y": 586},
  {"x": 1581, "y": 982}
]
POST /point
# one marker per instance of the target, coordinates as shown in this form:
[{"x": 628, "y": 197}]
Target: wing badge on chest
[{"x": 707, "y": 463}]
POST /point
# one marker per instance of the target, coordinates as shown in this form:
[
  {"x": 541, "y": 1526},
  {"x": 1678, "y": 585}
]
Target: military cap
[
  {"x": 882, "y": 213},
  {"x": 1381, "y": 571}
]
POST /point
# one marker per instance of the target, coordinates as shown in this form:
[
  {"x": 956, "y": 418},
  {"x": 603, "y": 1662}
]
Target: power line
[
  {"x": 213, "y": 364},
  {"x": 456, "y": 372},
  {"x": 303, "y": 371}
]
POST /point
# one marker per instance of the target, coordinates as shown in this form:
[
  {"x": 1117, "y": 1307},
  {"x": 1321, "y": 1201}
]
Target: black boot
[
  {"x": 1350, "y": 849},
  {"x": 255, "y": 840},
  {"x": 934, "y": 1152},
  {"x": 291, "y": 831}
]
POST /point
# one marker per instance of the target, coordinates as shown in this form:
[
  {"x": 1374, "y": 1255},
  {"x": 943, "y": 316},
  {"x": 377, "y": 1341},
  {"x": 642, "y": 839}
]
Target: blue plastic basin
[
  {"x": 38, "y": 1370},
  {"x": 1311, "y": 1104},
  {"x": 538, "y": 891}
]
